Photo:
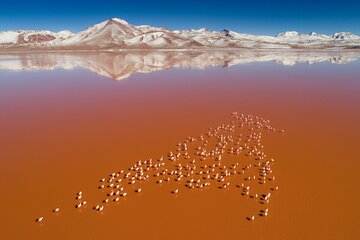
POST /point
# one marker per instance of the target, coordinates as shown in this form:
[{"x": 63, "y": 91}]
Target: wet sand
[{"x": 61, "y": 132}]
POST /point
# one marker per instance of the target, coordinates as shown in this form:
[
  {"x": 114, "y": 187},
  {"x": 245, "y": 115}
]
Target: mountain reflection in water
[{"x": 121, "y": 65}]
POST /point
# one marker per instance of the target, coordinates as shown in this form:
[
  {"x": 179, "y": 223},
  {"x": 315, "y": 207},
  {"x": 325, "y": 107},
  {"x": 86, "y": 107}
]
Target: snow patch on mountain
[
  {"x": 345, "y": 36},
  {"x": 288, "y": 34},
  {"x": 8, "y": 37}
]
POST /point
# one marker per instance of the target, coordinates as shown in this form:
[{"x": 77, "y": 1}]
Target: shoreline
[{"x": 3, "y": 51}]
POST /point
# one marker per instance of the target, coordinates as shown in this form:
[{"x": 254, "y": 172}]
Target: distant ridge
[{"x": 116, "y": 33}]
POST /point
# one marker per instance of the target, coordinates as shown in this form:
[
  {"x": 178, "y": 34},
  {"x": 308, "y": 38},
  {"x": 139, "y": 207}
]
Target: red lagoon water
[{"x": 62, "y": 131}]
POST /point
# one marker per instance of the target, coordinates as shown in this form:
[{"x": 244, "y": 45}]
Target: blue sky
[{"x": 252, "y": 16}]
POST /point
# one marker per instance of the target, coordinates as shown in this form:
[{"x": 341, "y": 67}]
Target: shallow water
[{"x": 65, "y": 124}]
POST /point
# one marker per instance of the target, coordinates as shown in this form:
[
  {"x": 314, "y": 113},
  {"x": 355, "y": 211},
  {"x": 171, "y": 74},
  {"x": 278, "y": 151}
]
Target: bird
[{"x": 55, "y": 210}]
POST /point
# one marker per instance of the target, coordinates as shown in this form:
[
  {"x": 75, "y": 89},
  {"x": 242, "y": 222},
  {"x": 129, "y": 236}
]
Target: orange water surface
[{"x": 63, "y": 130}]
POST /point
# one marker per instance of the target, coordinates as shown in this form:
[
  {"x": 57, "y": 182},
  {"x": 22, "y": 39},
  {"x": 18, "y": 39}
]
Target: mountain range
[
  {"x": 121, "y": 65},
  {"x": 116, "y": 33}
]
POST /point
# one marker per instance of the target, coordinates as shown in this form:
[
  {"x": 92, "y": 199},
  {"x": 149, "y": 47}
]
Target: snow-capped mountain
[
  {"x": 107, "y": 34},
  {"x": 116, "y": 33},
  {"x": 31, "y": 38},
  {"x": 345, "y": 36}
]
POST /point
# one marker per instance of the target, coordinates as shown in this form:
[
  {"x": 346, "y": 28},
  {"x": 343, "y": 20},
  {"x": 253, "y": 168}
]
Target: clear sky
[{"x": 253, "y": 16}]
